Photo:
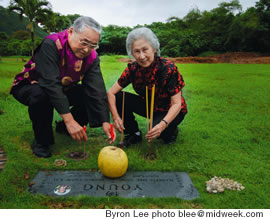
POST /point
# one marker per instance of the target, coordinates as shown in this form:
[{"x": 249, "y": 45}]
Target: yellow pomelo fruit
[{"x": 112, "y": 161}]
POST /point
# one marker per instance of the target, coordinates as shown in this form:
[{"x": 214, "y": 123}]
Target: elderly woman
[{"x": 149, "y": 69}]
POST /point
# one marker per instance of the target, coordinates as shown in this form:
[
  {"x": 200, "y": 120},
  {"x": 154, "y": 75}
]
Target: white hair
[
  {"x": 142, "y": 32},
  {"x": 82, "y": 22}
]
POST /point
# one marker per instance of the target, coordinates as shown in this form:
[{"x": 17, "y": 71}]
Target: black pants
[
  {"x": 40, "y": 109},
  {"x": 135, "y": 104}
]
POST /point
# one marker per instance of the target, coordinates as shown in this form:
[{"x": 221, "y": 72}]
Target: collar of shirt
[{"x": 149, "y": 74}]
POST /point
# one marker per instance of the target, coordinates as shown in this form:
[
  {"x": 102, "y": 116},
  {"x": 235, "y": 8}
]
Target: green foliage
[
  {"x": 32, "y": 9},
  {"x": 263, "y": 11},
  {"x": 113, "y": 39},
  {"x": 73, "y": 17},
  {"x": 36, "y": 11},
  {"x": 188, "y": 43},
  {"x": 10, "y": 23},
  {"x": 14, "y": 46},
  {"x": 3, "y": 48},
  {"x": 230, "y": 7},
  {"x": 56, "y": 23},
  {"x": 17, "y": 47},
  {"x": 3, "y": 36},
  {"x": 19, "y": 43},
  {"x": 225, "y": 133},
  {"x": 225, "y": 28},
  {"x": 21, "y": 35}
]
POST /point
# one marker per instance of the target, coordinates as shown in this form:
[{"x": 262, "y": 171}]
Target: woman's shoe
[
  {"x": 171, "y": 139},
  {"x": 132, "y": 139}
]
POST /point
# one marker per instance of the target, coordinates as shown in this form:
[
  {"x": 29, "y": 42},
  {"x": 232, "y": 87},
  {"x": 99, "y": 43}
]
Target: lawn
[{"x": 226, "y": 133}]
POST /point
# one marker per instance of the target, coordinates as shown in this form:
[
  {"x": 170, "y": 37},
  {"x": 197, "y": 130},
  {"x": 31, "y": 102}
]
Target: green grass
[{"x": 226, "y": 133}]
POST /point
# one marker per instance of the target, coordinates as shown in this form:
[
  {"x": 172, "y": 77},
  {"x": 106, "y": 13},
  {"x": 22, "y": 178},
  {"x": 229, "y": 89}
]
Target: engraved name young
[{"x": 132, "y": 184}]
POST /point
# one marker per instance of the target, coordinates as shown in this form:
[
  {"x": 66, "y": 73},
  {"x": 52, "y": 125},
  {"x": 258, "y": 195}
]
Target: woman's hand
[
  {"x": 156, "y": 131},
  {"x": 172, "y": 113}
]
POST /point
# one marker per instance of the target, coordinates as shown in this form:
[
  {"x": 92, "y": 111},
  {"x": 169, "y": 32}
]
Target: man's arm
[
  {"x": 96, "y": 100},
  {"x": 95, "y": 97},
  {"x": 118, "y": 122},
  {"x": 46, "y": 59}
]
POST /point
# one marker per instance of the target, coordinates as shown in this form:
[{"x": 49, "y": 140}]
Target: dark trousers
[
  {"x": 40, "y": 109},
  {"x": 135, "y": 104}
]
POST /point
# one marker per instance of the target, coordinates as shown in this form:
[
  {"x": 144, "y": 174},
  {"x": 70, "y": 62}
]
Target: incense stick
[
  {"x": 147, "y": 110},
  {"x": 152, "y": 107},
  {"x": 151, "y": 114},
  {"x": 123, "y": 109}
]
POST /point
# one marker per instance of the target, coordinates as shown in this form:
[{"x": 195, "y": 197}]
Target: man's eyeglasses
[{"x": 89, "y": 45}]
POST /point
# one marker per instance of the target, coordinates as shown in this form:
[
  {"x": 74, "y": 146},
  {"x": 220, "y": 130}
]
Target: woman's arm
[
  {"x": 118, "y": 123},
  {"x": 174, "y": 109}
]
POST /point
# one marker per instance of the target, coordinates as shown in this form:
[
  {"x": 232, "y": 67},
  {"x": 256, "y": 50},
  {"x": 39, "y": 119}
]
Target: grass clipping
[{"x": 218, "y": 184}]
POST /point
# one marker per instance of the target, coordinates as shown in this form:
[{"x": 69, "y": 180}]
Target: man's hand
[
  {"x": 74, "y": 129},
  {"x": 118, "y": 124},
  {"x": 107, "y": 130}
]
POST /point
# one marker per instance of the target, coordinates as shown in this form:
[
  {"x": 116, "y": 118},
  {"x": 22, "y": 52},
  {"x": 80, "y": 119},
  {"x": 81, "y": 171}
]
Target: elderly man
[{"x": 50, "y": 80}]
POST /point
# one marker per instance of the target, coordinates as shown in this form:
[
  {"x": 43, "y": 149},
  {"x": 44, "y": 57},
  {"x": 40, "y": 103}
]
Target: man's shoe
[
  {"x": 132, "y": 139},
  {"x": 171, "y": 139},
  {"x": 41, "y": 150},
  {"x": 61, "y": 128}
]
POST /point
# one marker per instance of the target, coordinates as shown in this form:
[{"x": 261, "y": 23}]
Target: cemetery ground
[{"x": 226, "y": 133}]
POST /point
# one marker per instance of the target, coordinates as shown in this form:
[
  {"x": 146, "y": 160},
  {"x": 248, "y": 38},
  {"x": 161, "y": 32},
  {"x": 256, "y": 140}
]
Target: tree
[
  {"x": 21, "y": 35},
  {"x": 3, "y": 48},
  {"x": 214, "y": 25},
  {"x": 243, "y": 31},
  {"x": 73, "y": 17},
  {"x": 56, "y": 22},
  {"x": 3, "y": 44},
  {"x": 25, "y": 47},
  {"x": 231, "y": 7},
  {"x": 193, "y": 17},
  {"x": 14, "y": 47},
  {"x": 113, "y": 39},
  {"x": 263, "y": 10},
  {"x": 175, "y": 23},
  {"x": 34, "y": 10},
  {"x": 3, "y": 36}
]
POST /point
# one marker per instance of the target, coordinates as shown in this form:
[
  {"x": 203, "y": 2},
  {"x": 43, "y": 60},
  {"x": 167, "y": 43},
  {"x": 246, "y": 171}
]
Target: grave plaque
[{"x": 131, "y": 185}]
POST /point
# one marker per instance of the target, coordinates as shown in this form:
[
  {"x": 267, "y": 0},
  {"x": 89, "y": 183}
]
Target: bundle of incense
[
  {"x": 152, "y": 107},
  {"x": 123, "y": 109},
  {"x": 149, "y": 126}
]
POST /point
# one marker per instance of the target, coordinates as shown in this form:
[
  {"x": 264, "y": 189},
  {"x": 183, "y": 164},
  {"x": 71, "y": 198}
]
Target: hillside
[
  {"x": 232, "y": 57},
  {"x": 10, "y": 22}
]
